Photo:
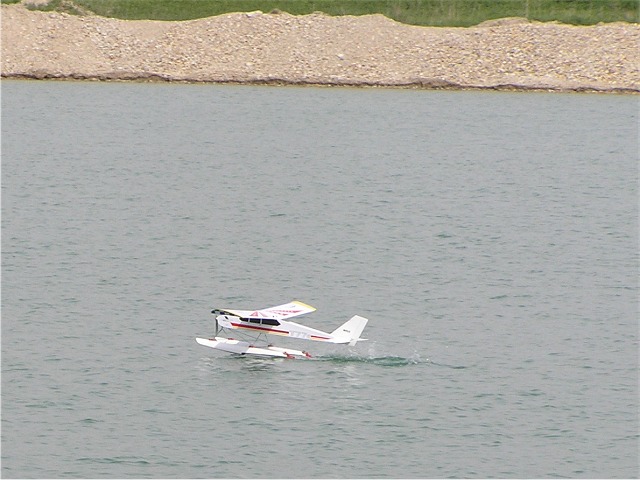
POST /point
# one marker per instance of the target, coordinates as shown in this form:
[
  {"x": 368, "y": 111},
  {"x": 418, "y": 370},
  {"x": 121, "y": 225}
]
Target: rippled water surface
[{"x": 490, "y": 238}]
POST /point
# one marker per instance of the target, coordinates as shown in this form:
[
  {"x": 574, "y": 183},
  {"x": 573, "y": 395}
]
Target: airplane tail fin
[{"x": 350, "y": 331}]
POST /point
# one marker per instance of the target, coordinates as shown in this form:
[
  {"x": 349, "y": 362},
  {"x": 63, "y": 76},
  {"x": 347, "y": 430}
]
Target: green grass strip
[{"x": 415, "y": 12}]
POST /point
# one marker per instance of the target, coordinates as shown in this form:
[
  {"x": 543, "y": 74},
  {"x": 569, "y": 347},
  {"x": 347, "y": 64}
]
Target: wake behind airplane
[{"x": 275, "y": 321}]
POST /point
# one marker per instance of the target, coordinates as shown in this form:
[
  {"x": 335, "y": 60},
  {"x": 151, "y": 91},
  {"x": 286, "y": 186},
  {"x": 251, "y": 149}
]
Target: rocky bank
[{"x": 317, "y": 49}]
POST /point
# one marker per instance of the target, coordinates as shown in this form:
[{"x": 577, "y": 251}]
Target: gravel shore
[{"x": 317, "y": 49}]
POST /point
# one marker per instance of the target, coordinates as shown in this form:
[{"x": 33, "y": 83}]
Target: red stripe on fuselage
[
  {"x": 316, "y": 337},
  {"x": 262, "y": 329}
]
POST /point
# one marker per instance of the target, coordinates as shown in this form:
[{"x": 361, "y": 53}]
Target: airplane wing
[
  {"x": 281, "y": 312},
  {"x": 288, "y": 310}
]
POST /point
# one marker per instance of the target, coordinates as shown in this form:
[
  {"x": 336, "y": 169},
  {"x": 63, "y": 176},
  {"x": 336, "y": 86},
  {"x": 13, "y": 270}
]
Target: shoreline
[
  {"x": 142, "y": 78},
  {"x": 370, "y": 51}
]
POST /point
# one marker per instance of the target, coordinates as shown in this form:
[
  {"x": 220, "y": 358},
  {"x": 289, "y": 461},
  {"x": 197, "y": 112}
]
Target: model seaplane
[{"x": 275, "y": 321}]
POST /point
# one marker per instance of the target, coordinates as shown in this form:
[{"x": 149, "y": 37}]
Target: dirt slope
[{"x": 319, "y": 49}]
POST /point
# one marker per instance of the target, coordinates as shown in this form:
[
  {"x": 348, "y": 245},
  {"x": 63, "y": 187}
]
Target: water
[{"x": 490, "y": 238}]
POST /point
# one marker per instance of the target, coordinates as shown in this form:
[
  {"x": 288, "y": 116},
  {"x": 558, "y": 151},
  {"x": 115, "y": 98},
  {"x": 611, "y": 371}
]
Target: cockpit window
[
  {"x": 270, "y": 321},
  {"x": 263, "y": 321}
]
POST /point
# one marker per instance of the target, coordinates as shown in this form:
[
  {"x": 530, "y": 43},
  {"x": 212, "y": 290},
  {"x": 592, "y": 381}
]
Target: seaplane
[{"x": 275, "y": 321}]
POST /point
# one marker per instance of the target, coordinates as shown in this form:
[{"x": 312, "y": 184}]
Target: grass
[{"x": 416, "y": 12}]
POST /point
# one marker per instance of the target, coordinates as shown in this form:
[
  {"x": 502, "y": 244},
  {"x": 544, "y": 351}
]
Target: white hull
[{"x": 241, "y": 347}]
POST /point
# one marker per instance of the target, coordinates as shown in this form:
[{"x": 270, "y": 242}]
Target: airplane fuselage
[{"x": 273, "y": 327}]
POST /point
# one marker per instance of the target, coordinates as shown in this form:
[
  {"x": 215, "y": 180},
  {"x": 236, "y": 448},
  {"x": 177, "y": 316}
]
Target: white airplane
[{"x": 275, "y": 321}]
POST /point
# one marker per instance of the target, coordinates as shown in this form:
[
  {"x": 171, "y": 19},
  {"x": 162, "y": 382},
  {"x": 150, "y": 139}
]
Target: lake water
[{"x": 490, "y": 238}]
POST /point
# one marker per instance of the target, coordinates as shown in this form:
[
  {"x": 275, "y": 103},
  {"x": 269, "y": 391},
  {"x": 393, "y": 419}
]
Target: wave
[{"x": 385, "y": 361}]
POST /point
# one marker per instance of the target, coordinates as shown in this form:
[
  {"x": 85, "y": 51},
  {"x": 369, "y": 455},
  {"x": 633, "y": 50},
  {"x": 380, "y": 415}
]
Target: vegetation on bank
[{"x": 458, "y": 13}]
